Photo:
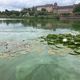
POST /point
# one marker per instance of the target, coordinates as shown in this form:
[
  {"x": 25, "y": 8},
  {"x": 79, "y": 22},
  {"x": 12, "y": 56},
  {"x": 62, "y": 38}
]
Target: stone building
[
  {"x": 48, "y": 7},
  {"x": 56, "y": 9},
  {"x": 65, "y": 9}
]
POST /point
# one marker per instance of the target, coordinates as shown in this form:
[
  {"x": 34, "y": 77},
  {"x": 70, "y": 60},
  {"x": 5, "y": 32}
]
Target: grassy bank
[{"x": 33, "y": 17}]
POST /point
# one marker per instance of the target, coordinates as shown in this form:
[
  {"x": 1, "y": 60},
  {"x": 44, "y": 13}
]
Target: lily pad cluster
[{"x": 71, "y": 41}]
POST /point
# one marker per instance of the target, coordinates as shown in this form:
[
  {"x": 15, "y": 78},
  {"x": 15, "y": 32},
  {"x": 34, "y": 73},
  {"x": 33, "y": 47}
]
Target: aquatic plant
[{"x": 71, "y": 41}]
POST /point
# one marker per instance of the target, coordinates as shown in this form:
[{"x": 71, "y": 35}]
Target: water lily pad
[
  {"x": 77, "y": 51},
  {"x": 59, "y": 46}
]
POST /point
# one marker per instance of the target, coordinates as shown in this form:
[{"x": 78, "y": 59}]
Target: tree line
[{"x": 32, "y": 12}]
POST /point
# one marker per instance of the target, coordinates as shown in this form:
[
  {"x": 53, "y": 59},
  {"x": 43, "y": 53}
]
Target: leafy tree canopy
[{"x": 77, "y": 8}]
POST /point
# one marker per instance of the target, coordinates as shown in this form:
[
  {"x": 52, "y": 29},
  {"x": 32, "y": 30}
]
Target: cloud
[
  {"x": 18, "y": 4},
  {"x": 77, "y": 1}
]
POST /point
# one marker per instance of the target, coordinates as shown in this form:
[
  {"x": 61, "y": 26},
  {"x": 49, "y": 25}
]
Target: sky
[{"x": 19, "y": 4}]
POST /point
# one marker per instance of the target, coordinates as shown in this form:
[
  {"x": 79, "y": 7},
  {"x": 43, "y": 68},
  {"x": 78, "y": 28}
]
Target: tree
[
  {"x": 7, "y": 12},
  {"x": 43, "y": 9},
  {"x": 76, "y": 8},
  {"x": 42, "y": 12},
  {"x": 24, "y": 11},
  {"x": 34, "y": 9}
]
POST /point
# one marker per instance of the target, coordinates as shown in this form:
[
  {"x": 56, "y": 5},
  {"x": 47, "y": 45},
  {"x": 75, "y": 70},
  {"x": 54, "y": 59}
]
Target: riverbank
[
  {"x": 69, "y": 17},
  {"x": 47, "y": 17},
  {"x": 33, "y": 17}
]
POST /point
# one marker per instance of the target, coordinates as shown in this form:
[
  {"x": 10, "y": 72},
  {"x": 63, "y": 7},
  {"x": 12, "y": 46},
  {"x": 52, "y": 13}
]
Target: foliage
[
  {"x": 43, "y": 9},
  {"x": 66, "y": 14},
  {"x": 28, "y": 12},
  {"x": 77, "y": 9},
  {"x": 76, "y": 25},
  {"x": 71, "y": 41},
  {"x": 7, "y": 13}
]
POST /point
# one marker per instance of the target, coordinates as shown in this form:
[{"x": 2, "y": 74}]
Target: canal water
[{"x": 24, "y": 57}]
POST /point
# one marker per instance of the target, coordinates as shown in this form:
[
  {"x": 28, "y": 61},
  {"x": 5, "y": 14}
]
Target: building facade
[
  {"x": 56, "y": 9},
  {"x": 48, "y": 7},
  {"x": 65, "y": 9}
]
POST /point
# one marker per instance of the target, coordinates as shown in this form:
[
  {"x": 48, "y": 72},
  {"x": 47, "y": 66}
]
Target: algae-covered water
[{"x": 24, "y": 57}]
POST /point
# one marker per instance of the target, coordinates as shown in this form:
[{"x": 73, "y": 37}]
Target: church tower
[{"x": 55, "y": 7}]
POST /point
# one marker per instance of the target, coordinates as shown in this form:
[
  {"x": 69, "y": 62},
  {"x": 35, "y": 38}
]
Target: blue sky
[{"x": 18, "y": 4}]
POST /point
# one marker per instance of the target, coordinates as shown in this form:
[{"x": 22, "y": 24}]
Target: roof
[
  {"x": 59, "y": 7},
  {"x": 65, "y": 7},
  {"x": 47, "y": 5}
]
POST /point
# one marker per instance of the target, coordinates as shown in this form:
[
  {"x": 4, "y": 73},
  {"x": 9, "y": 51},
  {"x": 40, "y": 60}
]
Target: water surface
[
  {"x": 30, "y": 29},
  {"x": 21, "y": 50}
]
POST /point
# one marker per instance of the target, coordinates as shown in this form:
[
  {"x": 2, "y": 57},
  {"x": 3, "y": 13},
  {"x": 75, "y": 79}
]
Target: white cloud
[
  {"x": 77, "y": 1},
  {"x": 18, "y": 4}
]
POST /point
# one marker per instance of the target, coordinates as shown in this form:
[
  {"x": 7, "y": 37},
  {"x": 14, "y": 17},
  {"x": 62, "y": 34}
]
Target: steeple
[{"x": 55, "y": 4}]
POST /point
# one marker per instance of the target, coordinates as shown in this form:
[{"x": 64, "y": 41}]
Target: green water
[{"x": 24, "y": 57}]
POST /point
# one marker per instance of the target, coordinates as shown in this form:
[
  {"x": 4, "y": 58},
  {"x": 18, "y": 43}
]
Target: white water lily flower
[{"x": 65, "y": 40}]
